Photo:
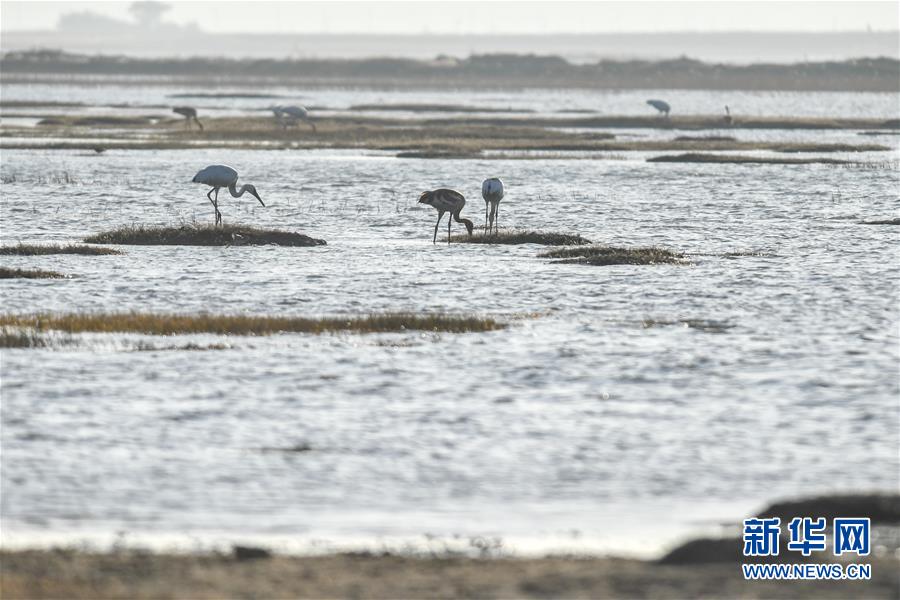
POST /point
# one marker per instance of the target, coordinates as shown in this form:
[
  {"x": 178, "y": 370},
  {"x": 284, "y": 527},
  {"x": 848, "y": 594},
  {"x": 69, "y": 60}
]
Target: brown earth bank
[
  {"x": 245, "y": 574},
  {"x": 497, "y": 70}
]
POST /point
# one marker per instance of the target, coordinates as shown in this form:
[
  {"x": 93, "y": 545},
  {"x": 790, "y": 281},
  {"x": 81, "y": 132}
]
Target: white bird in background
[
  {"x": 219, "y": 176},
  {"x": 189, "y": 113},
  {"x": 660, "y": 105},
  {"x": 492, "y": 191},
  {"x": 289, "y": 115},
  {"x": 444, "y": 200}
]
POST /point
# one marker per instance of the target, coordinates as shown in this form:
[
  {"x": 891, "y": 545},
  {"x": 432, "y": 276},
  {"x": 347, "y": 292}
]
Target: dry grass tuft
[
  {"x": 200, "y": 235},
  {"x": 172, "y": 324},
  {"x": 6, "y": 273},
  {"x": 607, "y": 255},
  {"x": 543, "y": 238},
  {"x": 41, "y": 250}
]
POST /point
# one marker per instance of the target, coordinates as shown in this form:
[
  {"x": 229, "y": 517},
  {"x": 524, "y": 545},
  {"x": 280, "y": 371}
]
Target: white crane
[
  {"x": 492, "y": 191},
  {"x": 189, "y": 113},
  {"x": 289, "y": 115},
  {"x": 219, "y": 176},
  {"x": 661, "y": 105},
  {"x": 444, "y": 200}
]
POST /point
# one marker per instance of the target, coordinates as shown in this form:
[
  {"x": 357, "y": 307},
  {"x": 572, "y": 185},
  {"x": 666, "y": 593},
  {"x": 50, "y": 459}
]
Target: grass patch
[
  {"x": 6, "y": 273},
  {"x": 449, "y": 154},
  {"x": 173, "y": 324},
  {"x": 453, "y": 108},
  {"x": 145, "y": 347},
  {"x": 738, "y": 159},
  {"x": 15, "y": 338},
  {"x": 197, "y": 235},
  {"x": 698, "y": 324},
  {"x": 607, "y": 255},
  {"x": 41, "y": 250},
  {"x": 705, "y": 138},
  {"x": 543, "y": 238},
  {"x": 882, "y": 222}
]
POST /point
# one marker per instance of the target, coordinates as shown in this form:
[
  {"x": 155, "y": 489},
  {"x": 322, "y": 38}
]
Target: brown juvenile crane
[
  {"x": 190, "y": 114},
  {"x": 444, "y": 200}
]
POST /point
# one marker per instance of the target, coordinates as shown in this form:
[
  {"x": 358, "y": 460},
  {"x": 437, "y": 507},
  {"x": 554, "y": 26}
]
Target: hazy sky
[{"x": 482, "y": 17}]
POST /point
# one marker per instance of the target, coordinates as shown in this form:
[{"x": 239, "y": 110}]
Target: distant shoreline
[{"x": 496, "y": 71}]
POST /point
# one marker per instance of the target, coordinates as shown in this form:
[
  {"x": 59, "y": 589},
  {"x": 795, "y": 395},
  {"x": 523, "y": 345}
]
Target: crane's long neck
[
  {"x": 235, "y": 192},
  {"x": 469, "y": 225}
]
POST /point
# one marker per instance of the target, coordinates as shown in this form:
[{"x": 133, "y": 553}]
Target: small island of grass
[
  {"x": 175, "y": 324},
  {"x": 882, "y": 222},
  {"x": 42, "y": 250},
  {"x": 699, "y": 157},
  {"x": 512, "y": 237},
  {"x": 199, "y": 235},
  {"x": 6, "y": 273},
  {"x": 607, "y": 255}
]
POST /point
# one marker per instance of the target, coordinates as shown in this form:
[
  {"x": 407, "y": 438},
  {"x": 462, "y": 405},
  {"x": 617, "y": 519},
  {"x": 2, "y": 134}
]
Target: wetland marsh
[{"x": 764, "y": 368}]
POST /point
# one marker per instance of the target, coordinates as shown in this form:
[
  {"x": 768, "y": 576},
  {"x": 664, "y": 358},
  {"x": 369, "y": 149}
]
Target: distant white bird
[
  {"x": 219, "y": 176},
  {"x": 189, "y": 113},
  {"x": 444, "y": 200},
  {"x": 492, "y": 191},
  {"x": 289, "y": 115},
  {"x": 660, "y": 105}
]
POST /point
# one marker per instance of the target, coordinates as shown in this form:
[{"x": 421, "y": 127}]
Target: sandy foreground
[{"x": 132, "y": 574}]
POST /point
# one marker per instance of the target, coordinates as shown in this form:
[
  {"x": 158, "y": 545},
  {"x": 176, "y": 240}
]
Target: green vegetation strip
[
  {"x": 173, "y": 324},
  {"x": 6, "y": 273},
  {"x": 199, "y": 235},
  {"x": 607, "y": 255},
  {"x": 40, "y": 250},
  {"x": 543, "y": 238}
]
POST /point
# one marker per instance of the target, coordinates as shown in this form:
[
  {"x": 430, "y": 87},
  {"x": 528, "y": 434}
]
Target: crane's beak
[{"x": 255, "y": 195}]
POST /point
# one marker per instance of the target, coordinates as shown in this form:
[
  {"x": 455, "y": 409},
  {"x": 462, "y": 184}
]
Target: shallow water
[
  {"x": 580, "y": 426},
  {"x": 103, "y": 97}
]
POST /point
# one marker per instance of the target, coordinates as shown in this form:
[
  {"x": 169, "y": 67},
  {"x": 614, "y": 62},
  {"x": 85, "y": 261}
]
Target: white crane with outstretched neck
[
  {"x": 223, "y": 176},
  {"x": 492, "y": 191},
  {"x": 444, "y": 200},
  {"x": 289, "y": 115}
]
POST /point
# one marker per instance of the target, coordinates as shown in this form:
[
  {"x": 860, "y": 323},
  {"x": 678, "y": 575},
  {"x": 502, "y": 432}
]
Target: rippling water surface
[{"x": 621, "y": 400}]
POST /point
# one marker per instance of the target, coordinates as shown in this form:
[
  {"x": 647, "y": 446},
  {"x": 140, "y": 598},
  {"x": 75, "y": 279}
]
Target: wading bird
[
  {"x": 444, "y": 200},
  {"x": 289, "y": 115},
  {"x": 492, "y": 192},
  {"x": 660, "y": 105},
  {"x": 190, "y": 114},
  {"x": 219, "y": 176},
  {"x": 727, "y": 118}
]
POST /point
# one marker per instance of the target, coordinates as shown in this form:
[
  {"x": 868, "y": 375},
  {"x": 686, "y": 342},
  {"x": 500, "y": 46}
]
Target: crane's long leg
[
  {"x": 486, "y": 217},
  {"x": 213, "y": 202},
  {"x": 434, "y": 240},
  {"x": 449, "y": 223},
  {"x": 496, "y": 218}
]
